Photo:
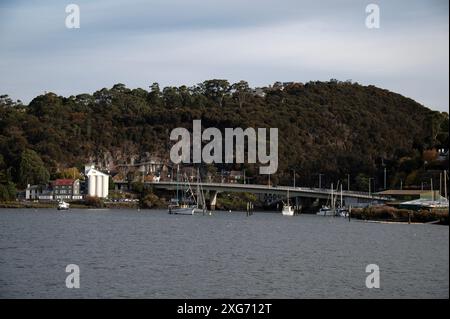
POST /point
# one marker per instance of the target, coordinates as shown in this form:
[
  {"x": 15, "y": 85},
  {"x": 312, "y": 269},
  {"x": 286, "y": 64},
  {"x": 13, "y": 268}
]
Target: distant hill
[{"x": 335, "y": 128}]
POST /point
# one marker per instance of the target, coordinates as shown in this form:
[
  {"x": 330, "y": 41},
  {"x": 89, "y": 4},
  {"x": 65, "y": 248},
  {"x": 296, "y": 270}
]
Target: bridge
[{"x": 350, "y": 197}]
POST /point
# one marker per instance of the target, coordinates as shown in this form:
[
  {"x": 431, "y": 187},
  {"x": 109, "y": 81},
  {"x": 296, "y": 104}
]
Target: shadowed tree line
[{"x": 333, "y": 128}]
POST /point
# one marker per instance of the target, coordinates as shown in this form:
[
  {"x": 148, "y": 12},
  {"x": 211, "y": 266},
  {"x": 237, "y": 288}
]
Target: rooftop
[{"x": 63, "y": 182}]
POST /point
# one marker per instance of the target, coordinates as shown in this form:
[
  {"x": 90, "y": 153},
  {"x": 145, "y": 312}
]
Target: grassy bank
[
  {"x": 387, "y": 213},
  {"x": 14, "y": 204}
]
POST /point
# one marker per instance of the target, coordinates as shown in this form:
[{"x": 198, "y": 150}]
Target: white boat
[
  {"x": 287, "y": 210},
  {"x": 182, "y": 209},
  {"x": 326, "y": 211},
  {"x": 342, "y": 212},
  {"x": 191, "y": 203},
  {"x": 62, "y": 205}
]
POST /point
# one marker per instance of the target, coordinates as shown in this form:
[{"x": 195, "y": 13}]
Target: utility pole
[
  {"x": 385, "y": 178},
  {"x": 244, "y": 176},
  {"x": 401, "y": 184},
  {"x": 294, "y": 178},
  {"x": 348, "y": 182},
  {"x": 320, "y": 180},
  {"x": 432, "y": 191},
  {"x": 370, "y": 186}
]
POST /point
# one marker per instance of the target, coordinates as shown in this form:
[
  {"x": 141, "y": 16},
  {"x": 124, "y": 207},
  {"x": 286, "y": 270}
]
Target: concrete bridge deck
[{"x": 304, "y": 192}]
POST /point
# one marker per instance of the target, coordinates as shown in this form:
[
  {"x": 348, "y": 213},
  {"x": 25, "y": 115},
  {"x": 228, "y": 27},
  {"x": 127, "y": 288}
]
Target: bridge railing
[{"x": 326, "y": 191}]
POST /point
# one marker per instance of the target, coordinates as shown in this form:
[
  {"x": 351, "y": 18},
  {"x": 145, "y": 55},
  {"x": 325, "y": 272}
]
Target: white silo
[
  {"x": 98, "y": 185},
  {"x": 91, "y": 185},
  {"x": 105, "y": 183}
]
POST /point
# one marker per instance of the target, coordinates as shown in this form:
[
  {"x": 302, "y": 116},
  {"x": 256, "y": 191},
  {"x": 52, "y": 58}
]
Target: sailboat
[
  {"x": 188, "y": 205},
  {"x": 287, "y": 210},
  {"x": 200, "y": 198},
  {"x": 342, "y": 211},
  {"x": 327, "y": 210}
]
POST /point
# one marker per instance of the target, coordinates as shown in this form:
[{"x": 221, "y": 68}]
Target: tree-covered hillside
[{"x": 334, "y": 128}]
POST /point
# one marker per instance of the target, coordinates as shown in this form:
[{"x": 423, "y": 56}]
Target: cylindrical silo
[
  {"x": 91, "y": 185},
  {"x": 98, "y": 184},
  {"x": 105, "y": 185}
]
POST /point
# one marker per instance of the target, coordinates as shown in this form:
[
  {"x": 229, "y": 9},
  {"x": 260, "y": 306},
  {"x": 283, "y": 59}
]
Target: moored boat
[
  {"x": 287, "y": 210},
  {"x": 62, "y": 205},
  {"x": 182, "y": 209}
]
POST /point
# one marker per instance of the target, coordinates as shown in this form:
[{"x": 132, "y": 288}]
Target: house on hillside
[
  {"x": 235, "y": 177},
  {"x": 442, "y": 154}
]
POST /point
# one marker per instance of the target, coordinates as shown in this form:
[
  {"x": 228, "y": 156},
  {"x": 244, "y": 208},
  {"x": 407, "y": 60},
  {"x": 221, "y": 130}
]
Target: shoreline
[
  {"x": 358, "y": 218},
  {"x": 34, "y": 205}
]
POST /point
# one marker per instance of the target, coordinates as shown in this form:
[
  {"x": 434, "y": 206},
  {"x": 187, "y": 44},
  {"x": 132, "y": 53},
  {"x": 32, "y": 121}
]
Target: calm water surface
[{"x": 151, "y": 254}]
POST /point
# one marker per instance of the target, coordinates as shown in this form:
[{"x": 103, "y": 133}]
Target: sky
[{"x": 177, "y": 42}]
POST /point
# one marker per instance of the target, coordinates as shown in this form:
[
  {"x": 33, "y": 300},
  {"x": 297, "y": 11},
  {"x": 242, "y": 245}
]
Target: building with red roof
[{"x": 65, "y": 188}]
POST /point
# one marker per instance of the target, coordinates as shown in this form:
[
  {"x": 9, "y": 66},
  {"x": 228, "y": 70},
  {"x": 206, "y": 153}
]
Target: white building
[
  {"x": 32, "y": 192},
  {"x": 97, "y": 182}
]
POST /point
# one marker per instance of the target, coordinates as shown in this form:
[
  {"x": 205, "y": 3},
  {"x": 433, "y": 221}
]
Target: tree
[
  {"x": 155, "y": 95},
  {"x": 6, "y": 101},
  {"x": 32, "y": 169},
  {"x": 119, "y": 87},
  {"x": 362, "y": 182},
  {"x": 241, "y": 90},
  {"x": 71, "y": 172},
  {"x": 171, "y": 97},
  {"x": 430, "y": 155},
  {"x": 215, "y": 89}
]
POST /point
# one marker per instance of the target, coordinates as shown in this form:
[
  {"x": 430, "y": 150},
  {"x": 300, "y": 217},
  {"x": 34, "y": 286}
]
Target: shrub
[{"x": 93, "y": 201}]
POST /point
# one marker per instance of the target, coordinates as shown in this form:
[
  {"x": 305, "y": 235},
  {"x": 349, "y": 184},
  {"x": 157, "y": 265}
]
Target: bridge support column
[{"x": 213, "y": 200}]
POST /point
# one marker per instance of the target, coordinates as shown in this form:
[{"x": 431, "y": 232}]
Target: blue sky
[{"x": 176, "y": 42}]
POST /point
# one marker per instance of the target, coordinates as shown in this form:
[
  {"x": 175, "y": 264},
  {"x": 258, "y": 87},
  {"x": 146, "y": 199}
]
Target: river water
[{"x": 151, "y": 254}]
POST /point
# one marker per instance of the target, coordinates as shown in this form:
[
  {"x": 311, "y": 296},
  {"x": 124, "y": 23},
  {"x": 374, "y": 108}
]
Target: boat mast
[
  {"x": 445, "y": 185},
  {"x": 332, "y": 196},
  {"x": 178, "y": 176},
  {"x": 198, "y": 187}
]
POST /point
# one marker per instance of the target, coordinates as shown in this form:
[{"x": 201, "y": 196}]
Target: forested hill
[{"x": 335, "y": 128}]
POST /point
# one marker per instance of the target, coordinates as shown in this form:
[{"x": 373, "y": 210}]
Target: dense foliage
[{"x": 334, "y": 128}]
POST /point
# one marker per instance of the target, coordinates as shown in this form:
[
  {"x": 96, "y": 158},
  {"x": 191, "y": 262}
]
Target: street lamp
[
  {"x": 320, "y": 180},
  {"x": 294, "y": 177}
]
